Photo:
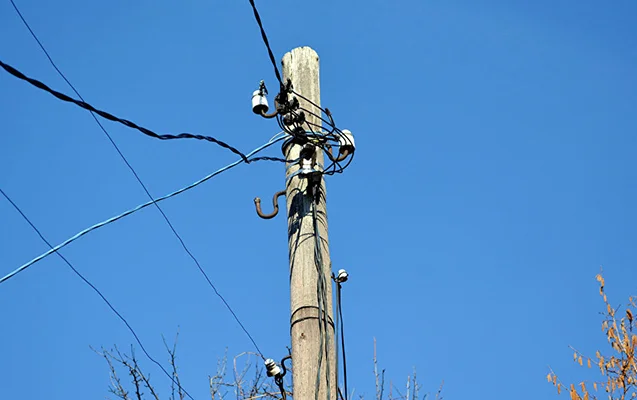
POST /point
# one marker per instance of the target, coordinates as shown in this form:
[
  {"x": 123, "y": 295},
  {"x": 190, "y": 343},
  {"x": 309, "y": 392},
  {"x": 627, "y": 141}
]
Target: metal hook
[
  {"x": 257, "y": 203},
  {"x": 271, "y": 115},
  {"x": 279, "y": 107},
  {"x": 342, "y": 155},
  {"x": 282, "y": 105}
]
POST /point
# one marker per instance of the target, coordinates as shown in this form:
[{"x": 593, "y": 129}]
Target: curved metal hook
[
  {"x": 277, "y": 110},
  {"x": 275, "y": 203},
  {"x": 271, "y": 115},
  {"x": 342, "y": 155}
]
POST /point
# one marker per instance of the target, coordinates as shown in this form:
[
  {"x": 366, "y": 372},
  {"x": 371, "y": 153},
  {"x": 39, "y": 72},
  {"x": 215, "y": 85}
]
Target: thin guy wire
[
  {"x": 172, "y": 228},
  {"x": 113, "y": 118},
  {"x": 108, "y": 303},
  {"x": 267, "y": 43},
  {"x": 131, "y": 211}
]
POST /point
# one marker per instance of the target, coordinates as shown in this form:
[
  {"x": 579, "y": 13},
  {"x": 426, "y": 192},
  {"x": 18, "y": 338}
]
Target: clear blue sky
[{"x": 494, "y": 175}]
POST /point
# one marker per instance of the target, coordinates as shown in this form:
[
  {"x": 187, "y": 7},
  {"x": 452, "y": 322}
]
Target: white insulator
[
  {"x": 271, "y": 368},
  {"x": 306, "y": 166},
  {"x": 346, "y": 140},
  {"x": 259, "y": 102}
]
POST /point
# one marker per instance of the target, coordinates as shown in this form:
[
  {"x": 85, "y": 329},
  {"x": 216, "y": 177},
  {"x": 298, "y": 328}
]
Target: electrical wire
[
  {"x": 322, "y": 304},
  {"x": 312, "y": 113},
  {"x": 99, "y": 293},
  {"x": 339, "y": 310},
  {"x": 266, "y": 158},
  {"x": 335, "y": 135},
  {"x": 336, "y": 334},
  {"x": 113, "y": 118},
  {"x": 133, "y": 210},
  {"x": 341, "y": 168},
  {"x": 267, "y": 43},
  {"x": 308, "y": 100},
  {"x": 289, "y": 88},
  {"x": 141, "y": 183},
  {"x": 321, "y": 295},
  {"x": 283, "y": 133},
  {"x": 279, "y": 378},
  {"x": 285, "y": 89}
]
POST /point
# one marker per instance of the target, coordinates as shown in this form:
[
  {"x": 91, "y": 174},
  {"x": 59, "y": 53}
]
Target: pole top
[{"x": 300, "y": 52}]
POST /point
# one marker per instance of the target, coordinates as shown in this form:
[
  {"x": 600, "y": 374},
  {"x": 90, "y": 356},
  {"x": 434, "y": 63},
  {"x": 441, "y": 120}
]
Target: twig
[{"x": 116, "y": 384}]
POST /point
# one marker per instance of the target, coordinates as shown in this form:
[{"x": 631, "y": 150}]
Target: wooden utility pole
[{"x": 301, "y": 66}]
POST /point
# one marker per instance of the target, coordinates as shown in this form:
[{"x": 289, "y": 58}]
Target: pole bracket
[{"x": 275, "y": 204}]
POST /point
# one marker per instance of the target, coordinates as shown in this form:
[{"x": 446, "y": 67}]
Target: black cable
[
  {"x": 141, "y": 183},
  {"x": 108, "y": 303},
  {"x": 308, "y": 100},
  {"x": 315, "y": 115},
  {"x": 309, "y": 124},
  {"x": 321, "y": 298},
  {"x": 319, "y": 295},
  {"x": 279, "y": 382},
  {"x": 267, "y": 43},
  {"x": 351, "y": 158},
  {"x": 341, "y": 168},
  {"x": 336, "y": 335},
  {"x": 113, "y": 118},
  {"x": 326, "y": 171},
  {"x": 322, "y": 140},
  {"x": 330, "y": 123},
  {"x": 322, "y": 334},
  {"x": 289, "y": 89},
  {"x": 265, "y": 158},
  {"x": 332, "y": 168},
  {"x": 340, "y": 311}
]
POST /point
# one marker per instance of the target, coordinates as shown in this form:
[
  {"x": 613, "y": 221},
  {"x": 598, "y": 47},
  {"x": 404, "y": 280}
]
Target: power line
[
  {"x": 339, "y": 311},
  {"x": 161, "y": 211},
  {"x": 113, "y": 118},
  {"x": 97, "y": 121},
  {"x": 335, "y": 132},
  {"x": 267, "y": 43},
  {"x": 133, "y": 210},
  {"x": 108, "y": 303},
  {"x": 322, "y": 305}
]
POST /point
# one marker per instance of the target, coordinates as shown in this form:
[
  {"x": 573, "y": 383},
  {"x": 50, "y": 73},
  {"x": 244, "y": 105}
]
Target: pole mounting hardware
[{"x": 275, "y": 204}]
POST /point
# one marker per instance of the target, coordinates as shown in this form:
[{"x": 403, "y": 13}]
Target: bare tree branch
[
  {"x": 248, "y": 380},
  {"x": 145, "y": 380},
  {"x": 116, "y": 387},
  {"x": 380, "y": 379},
  {"x": 173, "y": 366}
]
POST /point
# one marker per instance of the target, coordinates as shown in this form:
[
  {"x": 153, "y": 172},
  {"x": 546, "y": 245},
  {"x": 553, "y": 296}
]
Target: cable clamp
[{"x": 314, "y": 175}]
